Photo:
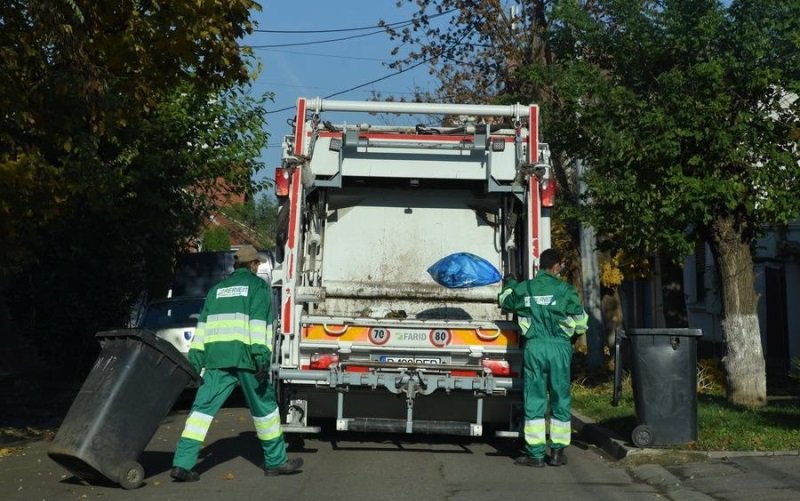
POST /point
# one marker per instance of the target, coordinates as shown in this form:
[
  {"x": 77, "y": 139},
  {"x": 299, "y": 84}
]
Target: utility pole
[{"x": 590, "y": 281}]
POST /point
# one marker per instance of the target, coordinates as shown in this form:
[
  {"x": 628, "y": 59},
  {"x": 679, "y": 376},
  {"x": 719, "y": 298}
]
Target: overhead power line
[
  {"x": 313, "y": 42},
  {"x": 334, "y": 56},
  {"x": 340, "y": 30},
  {"x": 356, "y": 87}
]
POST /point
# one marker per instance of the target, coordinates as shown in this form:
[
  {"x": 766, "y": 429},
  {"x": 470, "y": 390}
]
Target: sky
[{"x": 321, "y": 69}]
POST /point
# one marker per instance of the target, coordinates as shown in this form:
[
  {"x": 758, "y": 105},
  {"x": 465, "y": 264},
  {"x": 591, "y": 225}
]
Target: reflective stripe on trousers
[
  {"x": 269, "y": 426},
  {"x": 197, "y": 425},
  {"x": 535, "y": 432}
]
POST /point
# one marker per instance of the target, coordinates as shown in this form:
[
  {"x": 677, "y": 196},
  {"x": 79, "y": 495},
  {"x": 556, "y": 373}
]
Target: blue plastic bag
[{"x": 462, "y": 270}]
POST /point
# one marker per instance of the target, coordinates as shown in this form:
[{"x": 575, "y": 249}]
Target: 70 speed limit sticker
[
  {"x": 440, "y": 337},
  {"x": 379, "y": 335}
]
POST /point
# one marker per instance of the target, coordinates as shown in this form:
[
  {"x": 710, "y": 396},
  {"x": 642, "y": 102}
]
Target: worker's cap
[{"x": 248, "y": 253}]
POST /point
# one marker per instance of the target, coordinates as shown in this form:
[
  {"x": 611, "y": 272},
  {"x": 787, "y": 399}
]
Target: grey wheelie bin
[
  {"x": 134, "y": 383},
  {"x": 663, "y": 365}
]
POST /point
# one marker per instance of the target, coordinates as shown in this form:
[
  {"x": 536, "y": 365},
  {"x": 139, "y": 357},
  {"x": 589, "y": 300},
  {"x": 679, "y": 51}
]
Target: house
[{"x": 239, "y": 233}]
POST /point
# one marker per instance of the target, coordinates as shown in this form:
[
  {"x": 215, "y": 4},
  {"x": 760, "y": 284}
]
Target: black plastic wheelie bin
[
  {"x": 134, "y": 383},
  {"x": 663, "y": 365}
]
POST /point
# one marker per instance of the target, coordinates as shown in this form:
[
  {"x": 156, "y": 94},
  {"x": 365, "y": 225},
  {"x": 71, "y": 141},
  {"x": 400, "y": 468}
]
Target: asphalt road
[{"x": 337, "y": 467}]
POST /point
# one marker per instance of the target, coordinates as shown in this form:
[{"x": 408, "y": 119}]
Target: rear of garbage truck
[{"x": 366, "y": 335}]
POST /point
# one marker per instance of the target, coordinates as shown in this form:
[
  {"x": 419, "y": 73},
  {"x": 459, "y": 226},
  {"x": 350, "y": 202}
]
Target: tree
[
  {"x": 75, "y": 76},
  {"x": 477, "y": 55},
  {"x": 216, "y": 238},
  {"x": 117, "y": 121},
  {"x": 688, "y": 113}
]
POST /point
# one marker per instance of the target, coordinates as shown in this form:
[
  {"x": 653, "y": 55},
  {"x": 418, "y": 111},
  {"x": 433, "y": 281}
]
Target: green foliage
[
  {"x": 77, "y": 77},
  {"x": 119, "y": 124},
  {"x": 216, "y": 238},
  {"x": 684, "y": 112}
]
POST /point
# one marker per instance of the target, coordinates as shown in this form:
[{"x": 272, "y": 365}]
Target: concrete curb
[
  {"x": 652, "y": 473},
  {"x": 602, "y": 437},
  {"x": 741, "y": 454}
]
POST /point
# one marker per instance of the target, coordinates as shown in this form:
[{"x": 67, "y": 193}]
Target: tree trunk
[{"x": 744, "y": 360}]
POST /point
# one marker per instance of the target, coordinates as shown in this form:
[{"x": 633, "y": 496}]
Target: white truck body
[{"x": 367, "y": 210}]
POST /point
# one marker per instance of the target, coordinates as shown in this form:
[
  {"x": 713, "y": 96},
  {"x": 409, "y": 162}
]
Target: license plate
[{"x": 410, "y": 360}]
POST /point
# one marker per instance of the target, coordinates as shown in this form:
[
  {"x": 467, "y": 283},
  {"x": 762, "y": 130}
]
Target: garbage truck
[{"x": 365, "y": 336}]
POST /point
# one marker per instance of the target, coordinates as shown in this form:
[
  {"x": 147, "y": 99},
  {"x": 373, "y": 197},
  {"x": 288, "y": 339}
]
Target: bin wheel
[
  {"x": 642, "y": 436},
  {"x": 131, "y": 475}
]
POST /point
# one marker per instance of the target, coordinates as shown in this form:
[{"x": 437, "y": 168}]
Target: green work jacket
[
  {"x": 547, "y": 307},
  {"x": 235, "y": 326}
]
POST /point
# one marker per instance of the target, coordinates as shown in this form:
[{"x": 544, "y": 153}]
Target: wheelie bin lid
[
  {"x": 663, "y": 332},
  {"x": 149, "y": 338}
]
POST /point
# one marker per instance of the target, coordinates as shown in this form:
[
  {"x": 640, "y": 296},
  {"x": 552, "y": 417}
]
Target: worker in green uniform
[
  {"x": 549, "y": 314},
  {"x": 233, "y": 342}
]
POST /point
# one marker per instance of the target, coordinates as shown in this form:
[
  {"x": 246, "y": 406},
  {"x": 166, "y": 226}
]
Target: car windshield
[{"x": 174, "y": 313}]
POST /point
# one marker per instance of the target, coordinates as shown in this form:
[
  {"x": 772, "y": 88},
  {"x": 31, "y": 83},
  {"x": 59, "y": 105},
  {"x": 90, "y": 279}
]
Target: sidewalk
[{"x": 702, "y": 475}]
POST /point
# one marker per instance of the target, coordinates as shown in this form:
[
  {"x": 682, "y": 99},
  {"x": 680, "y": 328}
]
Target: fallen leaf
[
  {"x": 229, "y": 476},
  {"x": 10, "y": 451}
]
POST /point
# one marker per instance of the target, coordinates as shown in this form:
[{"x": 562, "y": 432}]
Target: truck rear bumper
[
  {"x": 396, "y": 382},
  {"x": 413, "y": 401}
]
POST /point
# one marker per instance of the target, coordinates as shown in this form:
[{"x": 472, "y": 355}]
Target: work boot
[
  {"x": 557, "y": 457},
  {"x": 179, "y": 474},
  {"x": 290, "y": 466},
  {"x": 529, "y": 461}
]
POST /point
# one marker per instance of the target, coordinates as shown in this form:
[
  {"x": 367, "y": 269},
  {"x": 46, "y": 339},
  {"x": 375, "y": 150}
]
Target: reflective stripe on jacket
[{"x": 235, "y": 325}]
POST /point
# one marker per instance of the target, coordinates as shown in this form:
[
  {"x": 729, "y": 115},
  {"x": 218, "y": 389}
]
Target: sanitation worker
[
  {"x": 233, "y": 343},
  {"x": 549, "y": 314}
]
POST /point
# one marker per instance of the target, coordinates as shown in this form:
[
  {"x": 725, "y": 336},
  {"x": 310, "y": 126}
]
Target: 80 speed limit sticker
[
  {"x": 379, "y": 335},
  {"x": 440, "y": 337}
]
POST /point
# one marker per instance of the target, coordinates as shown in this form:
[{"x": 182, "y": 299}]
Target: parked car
[{"x": 173, "y": 319}]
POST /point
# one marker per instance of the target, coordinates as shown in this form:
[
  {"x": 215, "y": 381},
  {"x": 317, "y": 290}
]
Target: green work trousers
[
  {"x": 216, "y": 388},
  {"x": 546, "y": 371}
]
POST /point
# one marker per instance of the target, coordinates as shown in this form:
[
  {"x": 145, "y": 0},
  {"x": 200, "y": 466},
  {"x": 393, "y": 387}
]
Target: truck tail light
[
  {"x": 497, "y": 367},
  {"x": 281, "y": 182},
  {"x": 323, "y": 361},
  {"x": 548, "y": 192}
]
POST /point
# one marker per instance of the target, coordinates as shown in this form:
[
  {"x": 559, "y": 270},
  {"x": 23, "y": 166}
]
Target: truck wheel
[
  {"x": 131, "y": 475},
  {"x": 642, "y": 436}
]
